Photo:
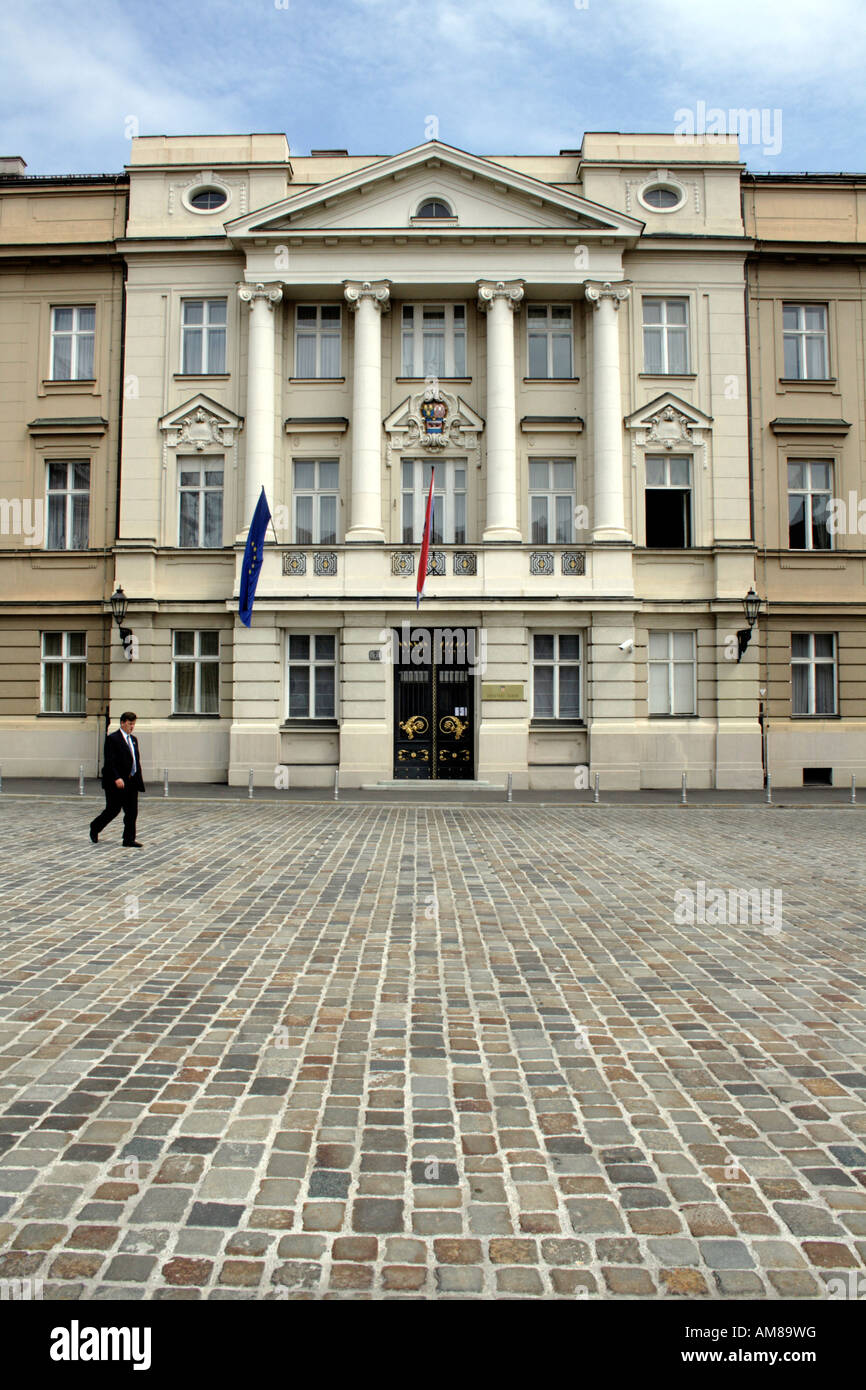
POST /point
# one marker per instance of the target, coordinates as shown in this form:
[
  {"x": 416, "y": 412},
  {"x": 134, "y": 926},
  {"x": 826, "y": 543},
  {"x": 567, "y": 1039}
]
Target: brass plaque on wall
[{"x": 489, "y": 691}]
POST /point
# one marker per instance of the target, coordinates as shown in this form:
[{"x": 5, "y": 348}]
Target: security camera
[{"x": 627, "y": 645}]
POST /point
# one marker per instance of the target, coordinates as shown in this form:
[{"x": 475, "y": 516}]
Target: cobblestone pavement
[{"x": 349, "y": 1051}]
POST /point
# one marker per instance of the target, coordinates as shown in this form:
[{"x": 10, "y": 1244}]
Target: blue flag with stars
[{"x": 253, "y": 556}]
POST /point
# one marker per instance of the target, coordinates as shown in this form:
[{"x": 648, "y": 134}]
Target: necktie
[{"x": 131, "y": 747}]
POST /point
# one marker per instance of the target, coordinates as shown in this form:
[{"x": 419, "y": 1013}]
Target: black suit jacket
[{"x": 118, "y": 762}]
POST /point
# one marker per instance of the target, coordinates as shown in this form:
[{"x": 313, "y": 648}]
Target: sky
[{"x": 79, "y": 77}]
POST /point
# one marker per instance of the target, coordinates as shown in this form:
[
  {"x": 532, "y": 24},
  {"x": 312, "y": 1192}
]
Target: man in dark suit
[{"x": 122, "y": 781}]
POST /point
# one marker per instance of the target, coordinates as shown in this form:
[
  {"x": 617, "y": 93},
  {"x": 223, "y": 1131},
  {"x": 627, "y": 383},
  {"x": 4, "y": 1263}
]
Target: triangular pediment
[
  {"x": 668, "y": 421},
  {"x": 200, "y": 423},
  {"x": 483, "y": 195},
  {"x": 433, "y": 419}
]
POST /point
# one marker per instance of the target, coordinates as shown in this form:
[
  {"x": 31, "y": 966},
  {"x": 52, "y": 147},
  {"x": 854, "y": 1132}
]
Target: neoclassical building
[{"x": 562, "y": 339}]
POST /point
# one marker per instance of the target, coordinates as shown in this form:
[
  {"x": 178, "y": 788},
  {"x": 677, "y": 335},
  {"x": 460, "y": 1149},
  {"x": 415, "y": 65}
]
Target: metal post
[
  {"x": 250, "y": 785},
  {"x": 595, "y": 792},
  {"x": 685, "y": 789},
  {"x": 81, "y": 779},
  {"x": 165, "y": 783},
  {"x": 853, "y": 790},
  {"x": 508, "y": 784},
  {"x": 769, "y": 793},
  {"x": 1, "y": 779},
  {"x": 336, "y": 784}
]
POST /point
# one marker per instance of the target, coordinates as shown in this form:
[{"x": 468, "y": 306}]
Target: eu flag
[{"x": 253, "y": 556}]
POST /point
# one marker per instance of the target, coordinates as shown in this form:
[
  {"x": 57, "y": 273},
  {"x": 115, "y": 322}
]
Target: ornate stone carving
[
  {"x": 511, "y": 291},
  {"x": 434, "y": 419},
  {"x": 669, "y": 424},
  {"x": 465, "y": 562},
  {"x": 201, "y": 424},
  {"x": 669, "y": 429},
  {"x": 268, "y": 294},
  {"x": 294, "y": 563},
  {"x": 378, "y": 292},
  {"x": 541, "y": 562},
  {"x": 596, "y": 292},
  {"x": 325, "y": 562},
  {"x": 574, "y": 562}
]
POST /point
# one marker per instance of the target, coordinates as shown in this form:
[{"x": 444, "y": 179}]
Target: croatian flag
[{"x": 425, "y": 544}]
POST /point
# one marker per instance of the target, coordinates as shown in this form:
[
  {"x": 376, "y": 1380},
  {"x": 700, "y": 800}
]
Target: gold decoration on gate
[
  {"x": 416, "y": 725},
  {"x": 452, "y": 725}
]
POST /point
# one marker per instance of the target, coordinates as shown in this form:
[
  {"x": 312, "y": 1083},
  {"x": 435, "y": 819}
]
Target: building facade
[
  {"x": 61, "y": 309},
  {"x": 563, "y": 339}
]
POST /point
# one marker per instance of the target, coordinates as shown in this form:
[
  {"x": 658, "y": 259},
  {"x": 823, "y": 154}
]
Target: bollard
[
  {"x": 336, "y": 784},
  {"x": 853, "y": 790},
  {"x": 81, "y": 779},
  {"x": 1, "y": 779},
  {"x": 768, "y": 796},
  {"x": 685, "y": 790},
  {"x": 250, "y": 785},
  {"x": 508, "y": 785},
  {"x": 595, "y": 792},
  {"x": 165, "y": 783}
]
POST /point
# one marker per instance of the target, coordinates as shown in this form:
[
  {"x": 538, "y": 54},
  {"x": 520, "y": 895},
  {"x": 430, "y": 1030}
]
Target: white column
[
  {"x": 501, "y": 299},
  {"x": 608, "y": 522},
  {"x": 369, "y": 299},
  {"x": 261, "y": 403}
]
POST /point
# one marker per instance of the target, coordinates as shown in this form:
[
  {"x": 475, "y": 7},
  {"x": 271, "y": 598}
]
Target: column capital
[
  {"x": 511, "y": 291},
  {"x": 260, "y": 293},
  {"x": 597, "y": 290},
  {"x": 376, "y": 292}
]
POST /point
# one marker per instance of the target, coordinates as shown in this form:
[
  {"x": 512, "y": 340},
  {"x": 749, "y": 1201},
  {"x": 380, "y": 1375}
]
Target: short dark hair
[{"x": 127, "y": 714}]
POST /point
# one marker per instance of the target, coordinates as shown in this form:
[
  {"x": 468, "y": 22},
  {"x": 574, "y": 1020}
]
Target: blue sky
[{"x": 499, "y": 76}]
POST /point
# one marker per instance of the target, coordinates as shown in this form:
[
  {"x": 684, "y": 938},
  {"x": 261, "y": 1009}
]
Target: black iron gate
[{"x": 434, "y": 703}]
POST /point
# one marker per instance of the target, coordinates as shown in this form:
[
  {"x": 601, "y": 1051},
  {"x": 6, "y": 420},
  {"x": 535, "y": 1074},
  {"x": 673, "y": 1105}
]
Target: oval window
[
  {"x": 661, "y": 197},
  {"x": 434, "y": 207},
  {"x": 208, "y": 199}
]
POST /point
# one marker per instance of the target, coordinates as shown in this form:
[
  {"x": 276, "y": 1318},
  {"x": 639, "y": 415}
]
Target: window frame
[
  {"x": 551, "y": 494},
  {"x": 670, "y": 661},
  {"x": 811, "y": 662},
  {"x": 317, "y": 493},
  {"x": 318, "y": 332},
  {"x": 668, "y": 486},
  {"x": 310, "y": 665},
  {"x": 75, "y": 334},
  {"x": 205, "y": 328},
  {"x": 64, "y": 661},
  {"x": 808, "y": 493},
  {"x": 802, "y": 334},
  {"x": 67, "y": 493},
  {"x": 549, "y": 333},
  {"x": 450, "y": 335},
  {"x": 445, "y": 510},
  {"x": 556, "y": 663},
  {"x": 185, "y": 462},
  {"x": 663, "y": 328},
  {"x": 197, "y": 660}
]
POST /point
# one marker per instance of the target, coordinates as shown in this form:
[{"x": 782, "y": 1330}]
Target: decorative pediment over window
[
  {"x": 669, "y": 424},
  {"x": 433, "y": 419},
  {"x": 199, "y": 425}
]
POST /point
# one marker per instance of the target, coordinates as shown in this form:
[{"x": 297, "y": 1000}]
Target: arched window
[
  {"x": 207, "y": 199},
  {"x": 434, "y": 207}
]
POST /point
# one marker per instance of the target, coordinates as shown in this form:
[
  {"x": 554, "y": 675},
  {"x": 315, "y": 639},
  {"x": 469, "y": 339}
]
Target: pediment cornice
[{"x": 200, "y": 423}]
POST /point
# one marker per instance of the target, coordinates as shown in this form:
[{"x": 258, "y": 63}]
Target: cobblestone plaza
[{"x": 373, "y": 1051}]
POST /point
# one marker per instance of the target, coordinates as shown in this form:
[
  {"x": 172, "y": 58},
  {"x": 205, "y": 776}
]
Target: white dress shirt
[{"x": 131, "y": 746}]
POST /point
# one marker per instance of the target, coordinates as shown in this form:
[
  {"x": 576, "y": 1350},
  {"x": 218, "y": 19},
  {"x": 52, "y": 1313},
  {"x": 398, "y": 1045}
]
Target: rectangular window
[
  {"x": 68, "y": 493},
  {"x": 312, "y": 675},
  {"x": 551, "y": 501},
  {"x": 434, "y": 340},
  {"x": 200, "y": 488},
  {"x": 665, "y": 336},
  {"x": 556, "y": 675},
  {"x": 672, "y": 673},
  {"x": 668, "y": 501},
  {"x": 318, "y": 335},
  {"x": 196, "y": 662},
  {"x": 317, "y": 493},
  {"x": 810, "y": 487},
  {"x": 804, "y": 332},
  {"x": 813, "y": 673},
  {"x": 204, "y": 337},
  {"x": 549, "y": 340},
  {"x": 449, "y": 501},
  {"x": 73, "y": 331},
  {"x": 64, "y": 672}
]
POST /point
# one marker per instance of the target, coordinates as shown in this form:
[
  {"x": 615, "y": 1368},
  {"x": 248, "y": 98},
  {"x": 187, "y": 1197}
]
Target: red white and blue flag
[{"x": 425, "y": 544}]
